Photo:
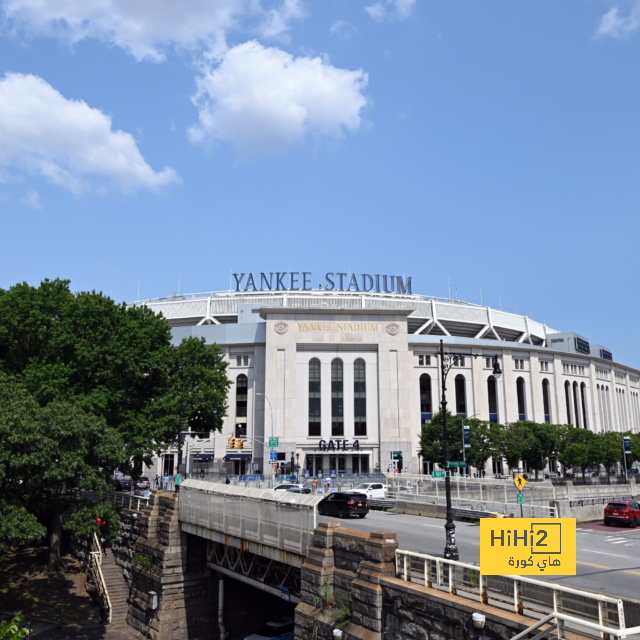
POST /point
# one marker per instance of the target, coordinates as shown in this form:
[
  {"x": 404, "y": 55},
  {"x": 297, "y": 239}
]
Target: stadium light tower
[{"x": 449, "y": 359}]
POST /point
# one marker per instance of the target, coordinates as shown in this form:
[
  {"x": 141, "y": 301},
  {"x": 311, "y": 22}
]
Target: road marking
[
  {"x": 617, "y": 541},
  {"x": 600, "y": 566},
  {"x": 435, "y": 526},
  {"x": 604, "y": 553},
  {"x": 476, "y": 543}
]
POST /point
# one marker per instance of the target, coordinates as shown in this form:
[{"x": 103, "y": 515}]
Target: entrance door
[
  {"x": 314, "y": 465},
  {"x": 167, "y": 465},
  {"x": 239, "y": 467}
]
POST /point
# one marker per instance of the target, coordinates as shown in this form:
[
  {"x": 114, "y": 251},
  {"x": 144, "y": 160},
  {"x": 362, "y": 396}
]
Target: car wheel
[
  {"x": 362, "y": 515},
  {"x": 607, "y": 524},
  {"x": 634, "y": 522},
  {"x": 342, "y": 512}
]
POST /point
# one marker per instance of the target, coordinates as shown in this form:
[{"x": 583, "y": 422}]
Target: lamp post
[
  {"x": 448, "y": 359},
  {"x": 271, "y": 410},
  {"x": 464, "y": 446},
  {"x": 297, "y": 467}
]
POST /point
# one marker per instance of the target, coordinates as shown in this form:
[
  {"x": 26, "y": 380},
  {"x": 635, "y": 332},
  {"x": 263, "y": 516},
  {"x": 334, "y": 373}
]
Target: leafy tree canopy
[
  {"x": 432, "y": 439},
  {"x": 87, "y": 386}
]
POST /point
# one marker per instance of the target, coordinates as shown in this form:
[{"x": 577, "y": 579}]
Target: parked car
[
  {"x": 344, "y": 504},
  {"x": 281, "y": 629},
  {"x": 124, "y": 484},
  {"x": 287, "y": 485},
  {"x": 622, "y": 512},
  {"x": 298, "y": 490},
  {"x": 143, "y": 483},
  {"x": 374, "y": 490}
]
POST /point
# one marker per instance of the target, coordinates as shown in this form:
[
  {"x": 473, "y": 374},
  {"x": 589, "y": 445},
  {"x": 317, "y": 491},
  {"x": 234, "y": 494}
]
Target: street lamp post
[
  {"x": 271, "y": 410},
  {"x": 464, "y": 446},
  {"x": 447, "y": 360}
]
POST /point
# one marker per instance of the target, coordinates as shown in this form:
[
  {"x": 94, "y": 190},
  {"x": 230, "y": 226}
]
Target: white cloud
[
  {"x": 279, "y": 19},
  {"x": 342, "y": 29},
  {"x": 392, "y": 10},
  {"x": 68, "y": 142},
  {"x": 614, "y": 25},
  {"x": 145, "y": 28},
  {"x": 32, "y": 199},
  {"x": 263, "y": 99}
]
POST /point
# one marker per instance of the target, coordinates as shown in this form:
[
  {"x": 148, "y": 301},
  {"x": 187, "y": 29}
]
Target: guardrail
[
  {"x": 528, "y": 510},
  {"x": 519, "y": 593},
  {"x": 560, "y": 618},
  {"x": 126, "y": 500},
  {"x": 589, "y": 502},
  {"x": 95, "y": 569}
]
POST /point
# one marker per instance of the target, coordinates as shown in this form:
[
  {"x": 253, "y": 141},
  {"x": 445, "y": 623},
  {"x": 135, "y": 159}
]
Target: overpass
[{"x": 188, "y": 549}]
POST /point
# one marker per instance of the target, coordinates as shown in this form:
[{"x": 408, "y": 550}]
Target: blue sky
[{"x": 494, "y": 144}]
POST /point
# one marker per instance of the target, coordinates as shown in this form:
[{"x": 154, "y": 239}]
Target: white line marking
[
  {"x": 618, "y": 541},
  {"x": 435, "y": 526},
  {"x": 615, "y": 555}
]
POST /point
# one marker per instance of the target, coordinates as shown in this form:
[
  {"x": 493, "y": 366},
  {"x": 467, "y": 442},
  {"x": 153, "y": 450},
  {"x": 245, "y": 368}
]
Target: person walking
[
  {"x": 156, "y": 481},
  {"x": 202, "y": 474},
  {"x": 227, "y": 481},
  {"x": 178, "y": 480}
]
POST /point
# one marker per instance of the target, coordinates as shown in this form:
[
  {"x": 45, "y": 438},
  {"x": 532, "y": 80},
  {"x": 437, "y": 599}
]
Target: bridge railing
[
  {"x": 278, "y": 519},
  {"x": 521, "y": 594}
]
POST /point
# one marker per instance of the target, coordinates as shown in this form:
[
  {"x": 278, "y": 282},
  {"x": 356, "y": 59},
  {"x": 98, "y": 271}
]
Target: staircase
[{"x": 118, "y": 590}]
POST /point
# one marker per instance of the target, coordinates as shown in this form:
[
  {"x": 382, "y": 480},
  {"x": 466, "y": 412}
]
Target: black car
[
  {"x": 345, "y": 504},
  {"x": 123, "y": 485}
]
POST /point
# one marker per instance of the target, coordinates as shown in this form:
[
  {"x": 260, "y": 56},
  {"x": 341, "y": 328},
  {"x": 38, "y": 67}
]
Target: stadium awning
[
  {"x": 202, "y": 457},
  {"x": 238, "y": 456}
]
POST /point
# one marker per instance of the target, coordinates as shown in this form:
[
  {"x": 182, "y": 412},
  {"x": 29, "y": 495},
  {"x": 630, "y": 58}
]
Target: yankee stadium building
[{"x": 342, "y": 369}]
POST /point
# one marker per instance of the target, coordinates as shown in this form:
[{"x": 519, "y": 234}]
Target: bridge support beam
[{"x": 223, "y": 632}]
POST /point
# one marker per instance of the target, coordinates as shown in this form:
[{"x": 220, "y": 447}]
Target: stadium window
[
  {"x": 424, "y": 361},
  {"x": 421, "y": 361},
  {"x": 488, "y": 363},
  {"x": 360, "y": 398},
  {"x": 461, "y": 396},
  {"x": 425, "y": 398},
  {"x": 583, "y": 389},
  {"x": 522, "y": 411},
  {"x": 575, "y": 404},
  {"x": 493, "y": 399},
  {"x": 241, "y": 405},
  {"x": 314, "y": 398},
  {"x": 545, "y": 401},
  {"x": 337, "y": 398},
  {"x": 245, "y": 360},
  {"x": 238, "y": 361},
  {"x": 567, "y": 391}
]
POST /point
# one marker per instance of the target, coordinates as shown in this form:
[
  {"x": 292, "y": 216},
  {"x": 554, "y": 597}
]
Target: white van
[{"x": 375, "y": 490}]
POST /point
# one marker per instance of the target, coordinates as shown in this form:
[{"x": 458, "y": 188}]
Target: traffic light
[
  {"x": 239, "y": 443},
  {"x": 231, "y": 444}
]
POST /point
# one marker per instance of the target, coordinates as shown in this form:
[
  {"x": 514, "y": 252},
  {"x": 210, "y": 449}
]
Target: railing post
[
  {"x": 518, "y": 604},
  {"x": 452, "y": 587},
  {"x": 427, "y": 582},
  {"x": 602, "y": 619},
  {"x": 557, "y": 608},
  {"x": 439, "y": 573},
  {"x": 484, "y": 596},
  {"x": 405, "y": 567}
]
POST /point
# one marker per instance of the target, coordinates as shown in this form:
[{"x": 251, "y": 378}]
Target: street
[{"x": 608, "y": 558}]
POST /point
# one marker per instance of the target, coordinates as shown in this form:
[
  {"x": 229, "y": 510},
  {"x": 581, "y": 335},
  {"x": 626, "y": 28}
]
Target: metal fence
[
  {"x": 507, "y": 508},
  {"x": 521, "y": 594},
  {"x": 126, "y": 500},
  {"x": 589, "y": 502},
  {"x": 279, "y": 519}
]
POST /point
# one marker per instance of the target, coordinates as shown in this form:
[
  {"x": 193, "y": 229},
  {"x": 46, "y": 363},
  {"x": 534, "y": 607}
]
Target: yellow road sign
[
  {"x": 528, "y": 546},
  {"x": 519, "y": 481}
]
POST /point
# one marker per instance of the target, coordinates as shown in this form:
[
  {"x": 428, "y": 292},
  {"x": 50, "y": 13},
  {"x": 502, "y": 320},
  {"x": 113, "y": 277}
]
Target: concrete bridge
[{"x": 221, "y": 560}]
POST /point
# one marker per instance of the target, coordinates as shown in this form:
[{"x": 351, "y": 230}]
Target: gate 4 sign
[{"x": 528, "y": 546}]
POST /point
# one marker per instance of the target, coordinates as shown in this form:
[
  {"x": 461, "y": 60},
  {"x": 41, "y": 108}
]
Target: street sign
[
  {"x": 627, "y": 444},
  {"x": 519, "y": 481},
  {"x": 273, "y": 455},
  {"x": 273, "y": 443},
  {"x": 284, "y": 594},
  {"x": 520, "y": 498},
  {"x": 333, "y": 473},
  {"x": 438, "y": 474},
  {"x": 527, "y": 546},
  {"x": 466, "y": 436},
  {"x": 457, "y": 464}
]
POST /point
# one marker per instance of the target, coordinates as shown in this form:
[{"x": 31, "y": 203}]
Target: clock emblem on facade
[
  {"x": 281, "y": 328},
  {"x": 393, "y": 329}
]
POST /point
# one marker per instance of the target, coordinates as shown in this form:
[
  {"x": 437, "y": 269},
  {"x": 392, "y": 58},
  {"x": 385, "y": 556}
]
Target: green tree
[
  {"x": 578, "y": 448},
  {"x": 432, "y": 439},
  {"x": 513, "y": 440},
  {"x": 611, "y": 451},
  {"x": 11, "y": 629},
  {"x": 541, "y": 442},
  {"x": 485, "y": 443},
  {"x": 111, "y": 372}
]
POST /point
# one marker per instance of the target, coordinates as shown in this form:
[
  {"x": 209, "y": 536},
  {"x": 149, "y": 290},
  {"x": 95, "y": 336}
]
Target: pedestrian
[
  {"x": 227, "y": 481},
  {"x": 166, "y": 482},
  {"x": 178, "y": 480},
  {"x": 315, "y": 485},
  {"x": 202, "y": 474},
  {"x": 156, "y": 481}
]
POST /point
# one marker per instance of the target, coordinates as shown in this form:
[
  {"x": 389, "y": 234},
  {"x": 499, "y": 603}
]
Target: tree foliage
[
  {"x": 485, "y": 443},
  {"x": 432, "y": 439},
  {"x": 88, "y": 386}
]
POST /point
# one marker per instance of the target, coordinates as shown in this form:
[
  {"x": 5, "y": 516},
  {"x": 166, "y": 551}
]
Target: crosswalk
[{"x": 582, "y": 534}]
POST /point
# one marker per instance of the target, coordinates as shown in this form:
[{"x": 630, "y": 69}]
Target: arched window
[
  {"x": 426, "y": 408},
  {"x": 575, "y": 405},
  {"x": 492, "y": 393},
  {"x": 337, "y": 398},
  {"x": 241, "y": 405},
  {"x": 315, "y": 427},
  {"x": 567, "y": 397},
  {"x": 461, "y": 396},
  {"x": 359, "y": 398},
  {"x": 522, "y": 405},
  {"x": 583, "y": 399},
  {"x": 545, "y": 401}
]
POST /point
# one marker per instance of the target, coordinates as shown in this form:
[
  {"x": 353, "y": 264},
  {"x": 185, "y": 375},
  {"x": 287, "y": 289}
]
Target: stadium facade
[{"x": 344, "y": 374}]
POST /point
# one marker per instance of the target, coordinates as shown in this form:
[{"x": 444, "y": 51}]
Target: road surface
[{"x": 608, "y": 558}]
